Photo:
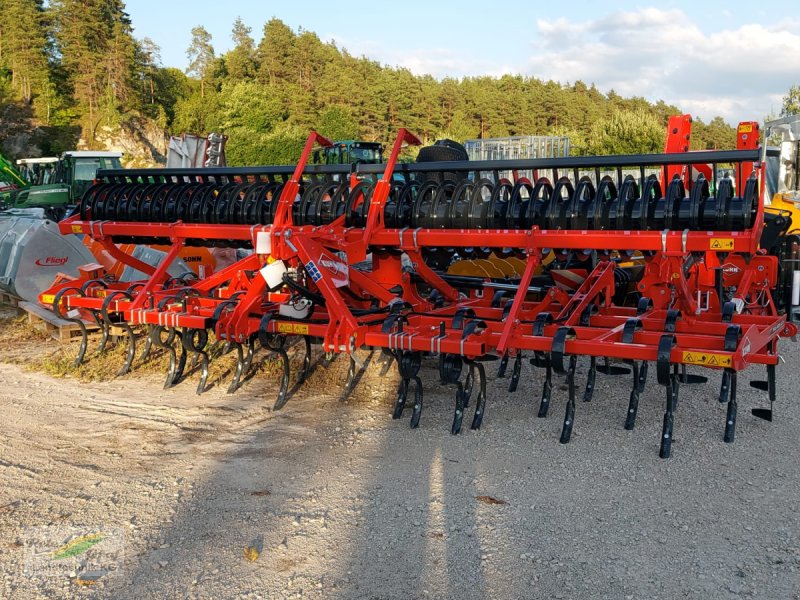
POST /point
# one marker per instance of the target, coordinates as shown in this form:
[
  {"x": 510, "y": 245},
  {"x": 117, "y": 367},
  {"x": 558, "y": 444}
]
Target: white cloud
[{"x": 740, "y": 74}]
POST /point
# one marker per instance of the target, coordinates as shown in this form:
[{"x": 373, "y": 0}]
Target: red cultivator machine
[{"x": 637, "y": 263}]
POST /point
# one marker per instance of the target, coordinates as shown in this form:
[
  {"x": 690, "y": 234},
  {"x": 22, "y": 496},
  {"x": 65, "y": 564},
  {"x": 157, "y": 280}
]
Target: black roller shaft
[{"x": 434, "y": 204}]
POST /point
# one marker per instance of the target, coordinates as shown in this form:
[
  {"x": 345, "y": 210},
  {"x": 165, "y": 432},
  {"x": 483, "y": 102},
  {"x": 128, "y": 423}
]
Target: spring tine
[
  {"x": 458, "y": 415},
  {"x": 676, "y": 383},
  {"x": 569, "y": 415},
  {"x": 148, "y": 344},
  {"x": 547, "y": 390},
  {"x": 469, "y": 384},
  {"x": 155, "y": 336},
  {"x": 501, "y": 368},
  {"x": 283, "y": 391},
  {"x": 730, "y": 418},
  {"x": 480, "y": 402},
  {"x": 591, "y": 379},
  {"x": 642, "y": 376},
  {"x": 181, "y": 367},
  {"x": 106, "y": 329},
  {"x": 400, "y": 402},
  {"x": 306, "y": 361},
  {"x": 512, "y": 386},
  {"x": 248, "y": 358},
  {"x": 201, "y": 385},
  {"x": 769, "y": 386},
  {"x": 77, "y": 321},
  {"x": 633, "y": 403},
  {"x": 725, "y": 386},
  {"x": 666, "y": 432},
  {"x": 417, "y": 412},
  {"x": 131, "y": 354},
  {"x": 351, "y": 378},
  {"x": 240, "y": 364},
  {"x": 84, "y": 343},
  {"x": 386, "y": 363},
  {"x": 197, "y": 348}
]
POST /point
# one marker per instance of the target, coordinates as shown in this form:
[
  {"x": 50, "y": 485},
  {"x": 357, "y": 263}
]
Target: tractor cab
[
  {"x": 58, "y": 183},
  {"x": 37, "y": 171},
  {"x": 351, "y": 152}
]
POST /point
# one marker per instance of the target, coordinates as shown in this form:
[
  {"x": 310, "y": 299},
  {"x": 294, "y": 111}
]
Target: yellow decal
[
  {"x": 708, "y": 359},
  {"x": 298, "y": 328},
  {"x": 721, "y": 244},
  {"x": 77, "y": 229},
  {"x": 746, "y": 128},
  {"x": 47, "y": 299}
]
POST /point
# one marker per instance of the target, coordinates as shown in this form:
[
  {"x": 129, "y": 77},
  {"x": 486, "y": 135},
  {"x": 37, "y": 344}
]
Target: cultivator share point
[{"x": 641, "y": 264}]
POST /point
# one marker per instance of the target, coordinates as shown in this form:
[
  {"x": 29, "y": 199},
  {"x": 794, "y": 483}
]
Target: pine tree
[
  {"x": 24, "y": 47},
  {"x": 100, "y": 57},
  {"x": 241, "y": 60},
  {"x": 201, "y": 57},
  {"x": 276, "y": 52}
]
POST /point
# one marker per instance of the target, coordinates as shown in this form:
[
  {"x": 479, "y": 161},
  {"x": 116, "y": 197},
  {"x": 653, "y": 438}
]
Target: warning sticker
[
  {"x": 707, "y": 359},
  {"x": 721, "y": 244},
  {"x": 77, "y": 229},
  {"x": 745, "y": 128},
  {"x": 298, "y": 328},
  {"x": 47, "y": 298}
]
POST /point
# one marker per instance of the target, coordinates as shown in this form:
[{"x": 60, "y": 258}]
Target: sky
[{"x": 734, "y": 59}]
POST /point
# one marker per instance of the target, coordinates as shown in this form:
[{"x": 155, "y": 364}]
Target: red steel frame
[{"x": 432, "y": 329}]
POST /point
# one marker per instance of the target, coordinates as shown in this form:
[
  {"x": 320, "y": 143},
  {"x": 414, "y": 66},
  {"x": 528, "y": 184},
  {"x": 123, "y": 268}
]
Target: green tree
[
  {"x": 24, "y": 47},
  {"x": 275, "y": 52},
  {"x": 337, "y": 123},
  {"x": 248, "y": 105},
  {"x": 201, "y": 57},
  {"x": 99, "y": 57},
  {"x": 791, "y": 102},
  {"x": 241, "y": 60},
  {"x": 626, "y": 132}
]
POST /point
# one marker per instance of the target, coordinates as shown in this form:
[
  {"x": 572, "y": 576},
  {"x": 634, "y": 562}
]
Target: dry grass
[
  {"x": 19, "y": 341},
  {"x": 101, "y": 366}
]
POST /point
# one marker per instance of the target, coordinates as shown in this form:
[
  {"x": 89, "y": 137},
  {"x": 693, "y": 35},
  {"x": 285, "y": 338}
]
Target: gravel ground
[{"x": 339, "y": 501}]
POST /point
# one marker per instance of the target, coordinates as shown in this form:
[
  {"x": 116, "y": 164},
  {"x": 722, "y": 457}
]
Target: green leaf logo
[{"x": 77, "y": 546}]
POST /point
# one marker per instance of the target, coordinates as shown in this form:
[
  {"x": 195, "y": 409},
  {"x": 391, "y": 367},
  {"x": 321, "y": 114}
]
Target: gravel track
[{"x": 344, "y": 502}]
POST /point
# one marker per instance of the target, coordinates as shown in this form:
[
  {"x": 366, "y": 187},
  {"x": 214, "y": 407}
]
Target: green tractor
[
  {"x": 350, "y": 152},
  {"x": 57, "y": 184}
]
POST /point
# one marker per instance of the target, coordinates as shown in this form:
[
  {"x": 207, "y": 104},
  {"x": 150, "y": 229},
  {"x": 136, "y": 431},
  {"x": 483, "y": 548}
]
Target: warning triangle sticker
[
  {"x": 712, "y": 360},
  {"x": 716, "y": 244}
]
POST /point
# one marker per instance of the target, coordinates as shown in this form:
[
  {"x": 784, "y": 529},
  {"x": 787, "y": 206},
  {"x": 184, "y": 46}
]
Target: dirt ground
[{"x": 334, "y": 499}]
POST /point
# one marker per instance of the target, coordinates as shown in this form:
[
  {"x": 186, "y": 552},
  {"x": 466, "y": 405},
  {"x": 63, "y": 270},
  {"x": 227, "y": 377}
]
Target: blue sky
[{"x": 733, "y": 59}]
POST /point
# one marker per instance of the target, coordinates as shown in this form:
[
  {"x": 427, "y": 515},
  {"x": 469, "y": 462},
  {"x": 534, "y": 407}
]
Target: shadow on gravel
[{"x": 346, "y": 503}]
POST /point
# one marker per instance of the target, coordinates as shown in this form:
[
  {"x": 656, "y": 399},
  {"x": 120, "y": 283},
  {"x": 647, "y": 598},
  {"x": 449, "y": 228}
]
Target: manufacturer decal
[
  {"x": 339, "y": 270},
  {"x": 730, "y": 269},
  {"x": 51, "y": 261}
]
